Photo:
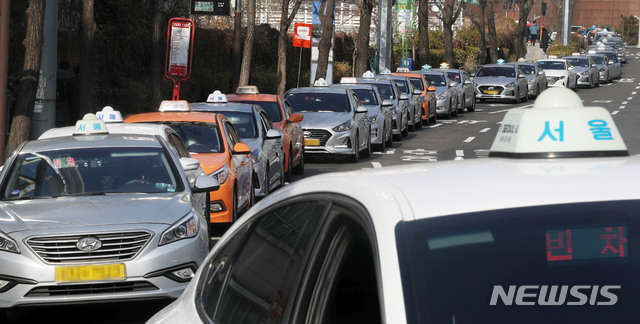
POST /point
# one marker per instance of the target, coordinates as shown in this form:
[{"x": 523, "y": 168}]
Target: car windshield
[
  {"x": 571, "y": 263},
  {"x": 578, "y": 62},
  {"x": 417, "y": 83},
  {"x": 611, "y": 56},
  {"x": 271, "y": 108},
  {"x": 552, "y": 65},
  {"x": 319, "y": 102},
  {"x": 367, "y": 96},
  {"x": 497, "y": 71},
  {"x": 199, "y": 137},
  {"x": 243, "y": 122},
  {"x": 454, "y": 76},
  {"x": 437, "y": 80},
  {"x": 89, "y": 171},
  {"x": 598, "y": 59},
  {"x": 528, "y": 69},
  {"x": 403, "y": 86}
]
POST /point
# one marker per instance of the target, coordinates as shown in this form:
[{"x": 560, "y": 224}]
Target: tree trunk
[
  {"x": 88, "y": 69},
  {"x": 157, "y": 55},
  {"x": 325, "y": 13},
  {"x": 423, "y": 32},
  {"x": 447, "y": 23},
  {"x": 361, "y": 62},
  {"x": 283, "y": 40},
  {"x": 525, "y": 8},
  {"x": 248, "y": 43},
  {"x": 493, "y": 38},
  {"x": 21, "y": 123},
  {"x": 480, "y": 24}
]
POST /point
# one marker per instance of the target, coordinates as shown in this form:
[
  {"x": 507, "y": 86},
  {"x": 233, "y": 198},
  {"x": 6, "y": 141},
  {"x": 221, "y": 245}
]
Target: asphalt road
[{"x": 468, "y": 136}]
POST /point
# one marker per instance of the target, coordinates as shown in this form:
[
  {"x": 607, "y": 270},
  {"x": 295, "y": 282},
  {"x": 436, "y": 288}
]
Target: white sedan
[
  {"x": 548, "y": 234},
  {"x": 560, "y": 73}
]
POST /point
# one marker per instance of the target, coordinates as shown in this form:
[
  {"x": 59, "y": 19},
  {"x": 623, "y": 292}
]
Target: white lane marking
[
  {"x": 601, "y": 101},
  {"x": 484, "y": 130},
  {"x": 376, "y": 164},
  {"x": 623, "y": 107},
  {"x": 499, "y": 111},
  {"x": 624, "y": 102},
  {"x": 436, "y": 125},
  {"x": 420, "y": 152},
  {"x": 633, "y": 93},
  {"x": 614, "y": 112},
  {"x": 629, "y": 98},
  {"x": 390, "y": 151},
  {"x": 469, "y": 139},
  {"x": 459, "y": 152}
]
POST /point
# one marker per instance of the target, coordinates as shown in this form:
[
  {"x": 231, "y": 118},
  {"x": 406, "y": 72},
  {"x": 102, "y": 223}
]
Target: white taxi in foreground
[
  {"x": 549, "y": 236},
  {"x": 95, "y": 217}
]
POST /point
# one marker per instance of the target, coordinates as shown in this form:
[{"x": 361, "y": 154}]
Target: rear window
[{"x": 569, "y": 263}]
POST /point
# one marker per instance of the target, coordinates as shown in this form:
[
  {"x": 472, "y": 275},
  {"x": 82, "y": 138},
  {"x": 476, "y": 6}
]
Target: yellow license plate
[
  {"x": 311, "y": 141},
  {"x": 91, "y": 273},
  {"x": 491, "y": 91}
]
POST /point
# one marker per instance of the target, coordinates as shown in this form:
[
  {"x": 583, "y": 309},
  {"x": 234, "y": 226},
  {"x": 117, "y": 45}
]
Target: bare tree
[
  {"x": 361, "y": 53},
  {"x": 21, "y": 123},
  {"x": 449, "y": 13},
  {"x": 156, "y": 55},
  {"x": 248, "y": 43},
  {"x": 491, "y": 26},
  {"x": 285, "y": 21},
  {"x": 87, "y": 59},
  {"x": 326, "y": 16},
  {"x": 525, "y": 8},
  {"x": 559, "y": 4},
  {"x": 480, "y": 23},
  {"x": 423, "y": 32}
]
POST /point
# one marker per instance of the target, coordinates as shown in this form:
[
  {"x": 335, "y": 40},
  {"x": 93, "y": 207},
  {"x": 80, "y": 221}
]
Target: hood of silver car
[
  {"x": 493, "y": 80},
  {"x": 69, "y": 212},
  {"x": 372, "y": 110},
  {"x": 326, "y": 120}
]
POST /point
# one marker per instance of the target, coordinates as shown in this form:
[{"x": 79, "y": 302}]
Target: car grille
[
  {"x": 483, "y": 89},
  {"x": 554, "y": 79},
  {"x": 115, "y": 247},
  {"x": 91, "y": 289},
  {"x": 321, "y": 134}
]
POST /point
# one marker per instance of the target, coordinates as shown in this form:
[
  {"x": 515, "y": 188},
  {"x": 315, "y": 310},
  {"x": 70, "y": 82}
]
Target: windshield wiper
[{"x": 31, "y": 197}]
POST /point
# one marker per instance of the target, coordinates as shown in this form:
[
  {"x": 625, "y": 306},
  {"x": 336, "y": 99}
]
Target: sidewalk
[{"x": 534, "y": 53}]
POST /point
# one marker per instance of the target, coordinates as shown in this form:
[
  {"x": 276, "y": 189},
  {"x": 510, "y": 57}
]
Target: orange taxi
[
  {"x": 428, "y": 93},
  {"x": 284, "y": 120},
  {"x": 212, "y": 140}
]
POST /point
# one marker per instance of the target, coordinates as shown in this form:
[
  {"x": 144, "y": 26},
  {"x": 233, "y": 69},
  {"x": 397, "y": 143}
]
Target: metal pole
[
  {"x": 299, "y": 65},
  {"x": 638, "y": 30},
  {"x": 565, "y": 23},
  {"x": 44, "y": 110},
  {"x": 237, "y": 56},
  {"x": 385, "y": 43},
  {"x": 4, "y": 62}
]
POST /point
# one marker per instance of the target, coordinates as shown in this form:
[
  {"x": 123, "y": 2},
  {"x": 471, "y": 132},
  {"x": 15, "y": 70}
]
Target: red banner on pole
[
  {"x": 302, "y": 35},
  {"x": 179, "y": 52}
]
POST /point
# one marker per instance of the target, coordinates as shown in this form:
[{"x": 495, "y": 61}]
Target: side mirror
[
  {"x": 241, "y": 148},
  {"x": 189, "y": 164},
  {"x": 404, "y": 97},
  {"x": 417, "y": 92},
  {"x": 520, "y": 76},
  {"x": 571, "y": 68},
  {"x": 431, "y": 89},
  {"x": 540, "y": 72},
  {"x": 205, "y": 184},
  {"x": 467, "y": 82},
  {"x": 453, "y": 84},
  {"x": 361, "y": 109},
  {"x": 473, "y": 75},
  {"x": 273, "y": 134},
  {"x": 296, "y": 118},
  {"x": 387, "y": 103}
]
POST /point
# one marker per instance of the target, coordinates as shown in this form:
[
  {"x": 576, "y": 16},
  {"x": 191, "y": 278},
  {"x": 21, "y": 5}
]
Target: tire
[
  {"x": 433, "y": 120},
  {"x": 388, "y": 141},
  {"x": 299, "y": 169},
  {"x": 282, "y": 177},
  {"x": 234, "y": 212},
  {"x": 418, "y": 118},
  {"x": 526, "y": 95},
  {"x": 517, "y": 99},
  {"x": 288, "y": 174},
  {"x": 267, "y": 185},
  {"x": 411, "y": 127},
  {"x": 591, "y": 83},
  {"x": 454, "y": 110},
  {"x": 461, "y": 105},
  {"x": 367, "y": 151},
  {"x": 473, "y": 105},
  {"x": 405, "y": 131},
  {"x": 355, "y": 156}
]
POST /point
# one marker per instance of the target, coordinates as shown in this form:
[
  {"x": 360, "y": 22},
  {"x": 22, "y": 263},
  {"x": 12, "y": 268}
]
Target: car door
[
  {"x": 360, "y": 119},
  {"x": 273, "y": 147},
  {"x": 294, "y": 129},
  {"x": 242, "y": 165},
  {"x": 469, "y": 91},
  {"x": 522, "y": 82}
]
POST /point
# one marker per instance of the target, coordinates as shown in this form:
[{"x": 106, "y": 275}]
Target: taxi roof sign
[
  {"x": 556, "y": 128},
  {"x": 426, "y": 67},
  {"x": 500, "y": 61},
  {"x": 385, "y": 72},
  {"x": 348, "y": 80},
  {"x": 90, "y": 125},
  {"x": 368, "y": 75},
  {"x": 321, "y": 83},
  {"x": 174, "y": 105},
  {"x": 247, "y": 90},
  {"x": 403, "y": 70},
  {"x": 217, "y": 97},
  {"x": 109, "y": 115}
]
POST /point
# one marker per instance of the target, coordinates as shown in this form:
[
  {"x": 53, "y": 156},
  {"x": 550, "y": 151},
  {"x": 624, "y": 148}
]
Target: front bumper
[
  {"x": 584, "y": 80},
  {"x": 557, "y": 82},
  {"x": 147, "y": 275},
  {"x": 325, "y": 141},
  {"x": 496, "y": 92},
  {"x": 377, "y": 130}
]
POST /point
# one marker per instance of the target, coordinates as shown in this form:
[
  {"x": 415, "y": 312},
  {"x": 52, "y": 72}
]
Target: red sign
[
  {"x": 179, "y": 52},
  {"x": 302, "y": 35},
  {"x": 587, "y": 243}
]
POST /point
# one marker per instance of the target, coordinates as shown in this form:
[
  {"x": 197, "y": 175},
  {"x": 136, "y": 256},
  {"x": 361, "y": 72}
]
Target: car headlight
[
  {"x": 442, "y": 96},
  {"x": 583, "y": 73},
  {"x": 510, "y": 85},
  {"x": 343, "y": 127},
  {"x": 185, "y": 228},
  {"x": 373, "y": 119},
  {"x": 221, "y": 174},
  {"x": 474, "y": 84},
  {"x": 255, "y": 156},
  {"x": 7, "y": 244},
  {"x": 562, "y": 77},
  {"x": 602, "y": 69}
]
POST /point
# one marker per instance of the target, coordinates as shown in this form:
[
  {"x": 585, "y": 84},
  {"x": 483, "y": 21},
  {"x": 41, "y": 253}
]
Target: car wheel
[
  {"x": 473, "y": 105},
  {"x": 288, "y": 174},
  {"x": 282, "y": 176},
  {"x": 265, "y": 182},
  {"x": 405, "y": 129},
  {"x": 590, "y": 84},
  {"x": 418, "y": 118},
  {"x": 354, "y": 157},
  {"x": 412, "y": 126},
  {"x": 389, "y": 138},
  {"x": 517, "y": 99},
  {"x": 234, "y": 213},
  {"x": 461, "y": 105},
  {"x": 434, "y": 119},
  {"x": 367, "y": 151},
  {"x": 525, "y": 98},
  {"x": 299, "y": 169},
  {"x": 454, "y": 109}
]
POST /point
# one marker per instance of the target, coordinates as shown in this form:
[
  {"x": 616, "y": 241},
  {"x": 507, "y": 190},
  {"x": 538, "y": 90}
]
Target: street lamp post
[{"x": 638, "y": 30}]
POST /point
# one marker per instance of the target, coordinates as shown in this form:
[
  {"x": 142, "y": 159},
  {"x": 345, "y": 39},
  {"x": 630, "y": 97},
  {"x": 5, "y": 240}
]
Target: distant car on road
[
  {"x": 503, "y": 81},
  {"x": 536, "y": 78},
  {"x": 560, "y": 73},
  {"x": 588, "y": 73}
]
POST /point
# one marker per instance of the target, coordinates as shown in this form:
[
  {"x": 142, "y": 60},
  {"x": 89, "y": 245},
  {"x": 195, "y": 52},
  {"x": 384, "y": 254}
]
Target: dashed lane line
[
  {"x": 484, "y": 130},
  {"x": 469, "y": 139}
]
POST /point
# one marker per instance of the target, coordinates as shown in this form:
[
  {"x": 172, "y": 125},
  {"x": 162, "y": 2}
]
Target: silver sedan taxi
[
  {"x": 98, "y": 217},
  {"x": 378, "y": 110},
  {"x": 548, "y": 234},
  {"x": 335, "y": 121},
  {"x": 588, "y": 74},
  {"x": 603, "y": 69},
  {"x": 400, "y": 109},
  {"x": 536, "y": 77},
  {"x": 257, "y": 131},
  {"x": 502, "y": 81},
  {"x": 560, "y": 73},
  {"x": 446, "y": 92},
  {"x": 464, "y": 87},
  {"x": 414, "y": 96}
]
